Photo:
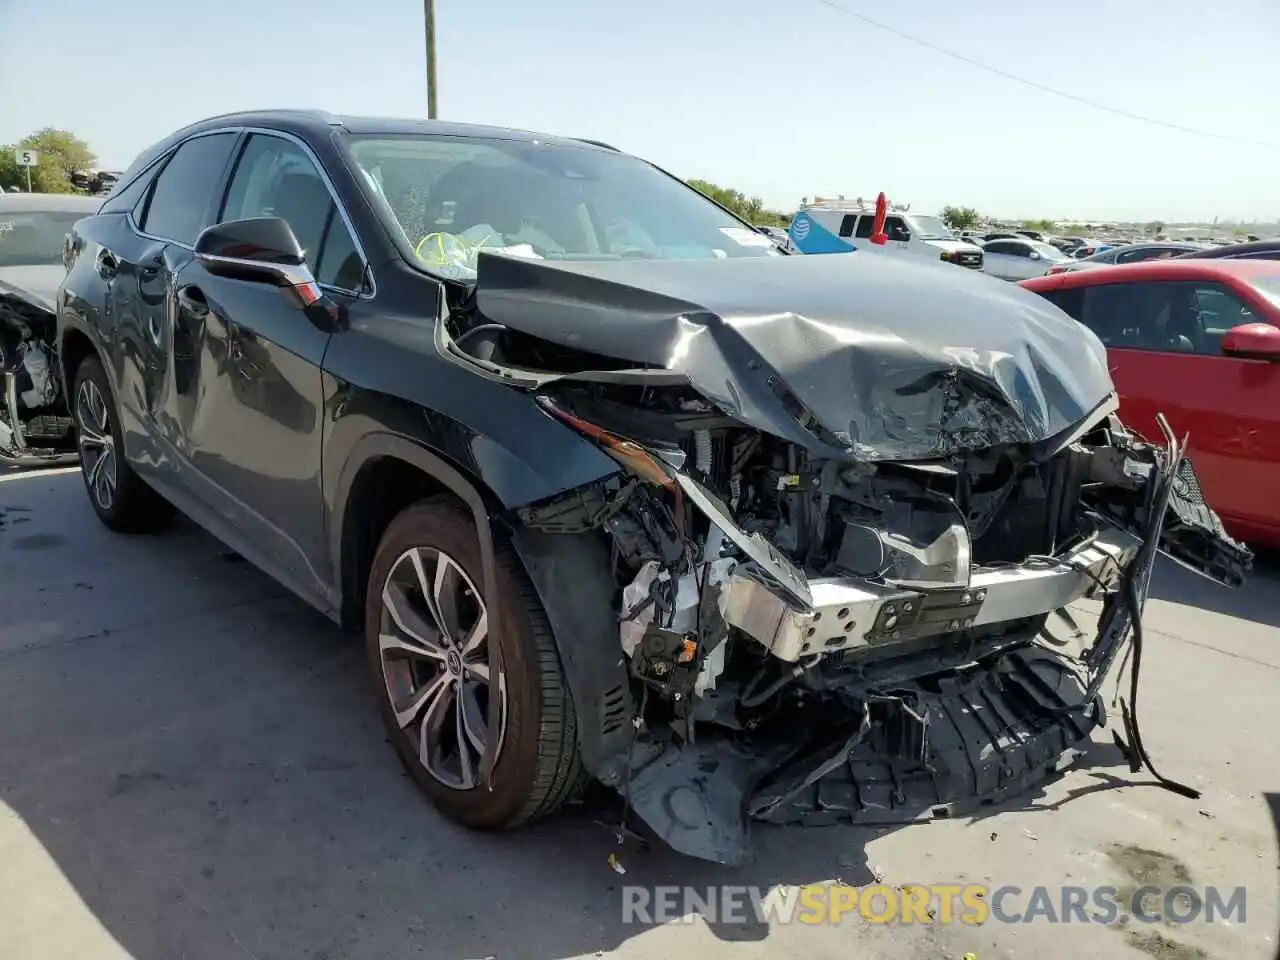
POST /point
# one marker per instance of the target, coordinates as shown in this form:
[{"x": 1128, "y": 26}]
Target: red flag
[{"x": 882, "y": 210}]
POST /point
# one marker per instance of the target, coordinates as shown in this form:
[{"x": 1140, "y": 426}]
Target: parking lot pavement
[{"x": 191, "y": 766}]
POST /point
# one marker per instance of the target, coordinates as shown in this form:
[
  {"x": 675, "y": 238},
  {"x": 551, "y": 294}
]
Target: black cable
[
  {"x": 1135, "y": 749},
  {"x": 631, "y": 750},
  {"x": 1044, "y": 88}
]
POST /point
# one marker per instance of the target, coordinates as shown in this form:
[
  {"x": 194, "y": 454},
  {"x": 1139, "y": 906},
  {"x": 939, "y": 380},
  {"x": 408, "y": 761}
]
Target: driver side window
[
  {"x": 895, "y": 229},
  {"x": 274, "y": 177},
  {"x": 1163, "y": 316}
]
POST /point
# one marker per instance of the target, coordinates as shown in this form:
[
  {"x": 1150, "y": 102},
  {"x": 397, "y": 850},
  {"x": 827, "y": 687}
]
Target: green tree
[
  {"x": 1040, "y": 226},
  {"x": 60, "y": 154},
  {"x": 960, "y": 218},
  {"x": 751, "y": 209}
]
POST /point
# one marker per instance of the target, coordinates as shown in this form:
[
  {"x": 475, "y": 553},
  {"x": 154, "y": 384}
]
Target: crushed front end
[
  {"x": 819, "y": 640},
  {"x": 35, "y": 426},
  {"x": 851, "y": 495}
]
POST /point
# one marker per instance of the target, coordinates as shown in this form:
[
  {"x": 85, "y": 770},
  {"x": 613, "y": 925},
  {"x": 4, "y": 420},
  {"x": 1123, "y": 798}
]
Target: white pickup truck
[{"x": 837, "y": 226}]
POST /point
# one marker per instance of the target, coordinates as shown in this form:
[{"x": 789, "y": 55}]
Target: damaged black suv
[{"x": 614, "y": 488}]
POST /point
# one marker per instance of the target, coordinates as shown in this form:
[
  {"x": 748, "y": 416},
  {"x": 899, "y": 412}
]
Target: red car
[{"x": 1199, "y": 341}]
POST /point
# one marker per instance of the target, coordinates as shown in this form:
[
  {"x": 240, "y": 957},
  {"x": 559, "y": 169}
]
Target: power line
[{"x": 1044, "y": 88}]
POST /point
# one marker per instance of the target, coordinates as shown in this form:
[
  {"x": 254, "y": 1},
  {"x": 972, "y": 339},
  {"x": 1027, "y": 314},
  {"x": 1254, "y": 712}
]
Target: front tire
[
  {"x": 120, "y": 498},
  {"x": 426, "y": 633}
]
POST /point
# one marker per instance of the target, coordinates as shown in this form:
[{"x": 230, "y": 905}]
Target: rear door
[
  {"x": 164, "y": 224},
  {"x": 1164, "y": 346},
  {"x": 249, "y": 402},
  {"x": 1000, "y": 259}
]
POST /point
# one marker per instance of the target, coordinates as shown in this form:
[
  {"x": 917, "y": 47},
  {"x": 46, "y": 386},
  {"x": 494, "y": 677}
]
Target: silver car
[
  {"x": 35, "y": 428},
  {"x": 1021, "y": 259}
]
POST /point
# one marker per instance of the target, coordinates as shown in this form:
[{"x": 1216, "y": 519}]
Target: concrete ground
[{"x": 191, "y": 767}]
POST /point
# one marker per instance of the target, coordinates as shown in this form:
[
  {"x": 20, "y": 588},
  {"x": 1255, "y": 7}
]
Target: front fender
[{"x": 394, "y": 381}]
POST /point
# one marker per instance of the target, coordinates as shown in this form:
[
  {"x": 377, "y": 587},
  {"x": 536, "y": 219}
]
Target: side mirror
[
  {"x": 1036, "y": 256},
  {"x": 259, "y": 249},
  {"x": 1255, "y": 341}
]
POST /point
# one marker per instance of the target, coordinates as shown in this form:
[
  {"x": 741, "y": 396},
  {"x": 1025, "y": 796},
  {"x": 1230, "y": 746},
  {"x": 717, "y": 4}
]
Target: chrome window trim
[{"x": 324, "y": 176}]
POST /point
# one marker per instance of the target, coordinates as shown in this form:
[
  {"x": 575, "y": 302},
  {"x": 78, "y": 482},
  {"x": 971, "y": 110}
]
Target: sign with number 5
[{"x": 25, "y": 158}]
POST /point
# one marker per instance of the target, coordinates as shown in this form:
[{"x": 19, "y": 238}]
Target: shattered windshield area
[
  {"x": 456, "y": 196},
  {"x": 34, "y": 237}
]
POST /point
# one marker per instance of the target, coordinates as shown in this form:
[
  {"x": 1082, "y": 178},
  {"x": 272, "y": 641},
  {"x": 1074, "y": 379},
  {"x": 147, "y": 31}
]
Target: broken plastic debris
[{"x": 613, "y": 862}]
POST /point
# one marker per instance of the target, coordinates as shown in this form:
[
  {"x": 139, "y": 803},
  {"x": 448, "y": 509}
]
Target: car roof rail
[{"x": 598, "y": 143}]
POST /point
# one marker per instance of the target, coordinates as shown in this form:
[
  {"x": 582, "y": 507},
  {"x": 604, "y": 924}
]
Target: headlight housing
[{"x": 635, "y": 458}]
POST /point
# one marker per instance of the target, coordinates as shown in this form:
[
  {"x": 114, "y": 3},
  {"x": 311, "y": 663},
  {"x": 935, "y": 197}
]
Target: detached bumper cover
[{"x": 979, "y": 740}]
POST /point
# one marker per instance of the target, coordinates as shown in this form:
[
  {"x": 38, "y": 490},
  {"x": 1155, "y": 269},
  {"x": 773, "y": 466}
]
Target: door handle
[
  {"x": 192, "y": 301},
  {"x": 107, "y": 264}
]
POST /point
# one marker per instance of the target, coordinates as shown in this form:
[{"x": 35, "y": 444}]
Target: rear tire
[
  {"x": 538, "y": 765},
  {"x": 120, "y": 498}
]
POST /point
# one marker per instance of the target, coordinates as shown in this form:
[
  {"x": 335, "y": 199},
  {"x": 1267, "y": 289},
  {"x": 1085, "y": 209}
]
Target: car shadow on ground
[
  {"x": 199, "y": 754},
  {"x": 1177, "y": 584}
]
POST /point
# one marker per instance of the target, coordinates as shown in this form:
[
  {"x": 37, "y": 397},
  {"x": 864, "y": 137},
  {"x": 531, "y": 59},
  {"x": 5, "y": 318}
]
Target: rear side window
[
  {"x": 123, "y": 200},
  {"x": 275, "y": 177},
  {"x": 865, "y": 227},
  {"x": 846, "y": 225},
  {"x": 182, "y": 193},
  {"x": 1070, "y": 300},
  {"x": 1001, "y": 246}
]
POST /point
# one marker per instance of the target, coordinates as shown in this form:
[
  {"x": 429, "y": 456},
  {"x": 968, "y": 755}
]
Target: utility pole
[{"x": 429, "y": 13}]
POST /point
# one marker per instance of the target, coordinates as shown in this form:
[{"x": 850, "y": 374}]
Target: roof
[
  {"x": 1238, "y": 249},
  {"x": 320, "y": 120},
  {"x": 1173, "y": 269},
  {"x": 71, "y": 202}
]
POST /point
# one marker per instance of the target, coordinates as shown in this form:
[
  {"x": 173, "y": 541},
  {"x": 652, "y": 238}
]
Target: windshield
[
  {"x": 1269, "y": 287},
  {"x": 1048, "y": 251},
  {"x": 932, "y": 228},
  {"x": 456, "y": 196},
  {"x": 35, "y": 237}
]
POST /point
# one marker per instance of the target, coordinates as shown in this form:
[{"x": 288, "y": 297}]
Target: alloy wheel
[
  {"x": 433, "y": 643},
  {"x": 97, "y": 444}
]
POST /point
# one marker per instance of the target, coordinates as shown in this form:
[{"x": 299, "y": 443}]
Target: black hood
[{"x": 871, "y": 356}]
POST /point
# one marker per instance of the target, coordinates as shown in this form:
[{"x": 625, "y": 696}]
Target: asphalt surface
[{"x": 191, "y": 767}]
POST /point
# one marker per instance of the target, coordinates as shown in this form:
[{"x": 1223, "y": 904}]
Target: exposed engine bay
[
  {"x": 863, "y": 642},
  {"x": 35, "y": 429},
  {"x": 837, "y": 613}
]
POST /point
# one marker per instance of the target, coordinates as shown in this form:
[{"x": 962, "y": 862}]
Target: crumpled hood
[
  {"x": 869, "y": 357},
  {"x": 37, "y": 285}
]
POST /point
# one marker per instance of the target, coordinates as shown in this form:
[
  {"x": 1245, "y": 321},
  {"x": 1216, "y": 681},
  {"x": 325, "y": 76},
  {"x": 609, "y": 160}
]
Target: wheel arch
[
  {"x": 383, "y": 474},
  {"x": 75, "y": 347},
  {"x": 386, "y": 472}
]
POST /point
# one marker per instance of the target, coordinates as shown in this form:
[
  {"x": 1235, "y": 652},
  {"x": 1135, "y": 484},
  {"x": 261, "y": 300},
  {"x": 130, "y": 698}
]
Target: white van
[{"x": 835, "y": 226}]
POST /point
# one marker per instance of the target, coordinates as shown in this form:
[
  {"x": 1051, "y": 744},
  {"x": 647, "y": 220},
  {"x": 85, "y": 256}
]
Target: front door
[{"x": 248, "y": 396}]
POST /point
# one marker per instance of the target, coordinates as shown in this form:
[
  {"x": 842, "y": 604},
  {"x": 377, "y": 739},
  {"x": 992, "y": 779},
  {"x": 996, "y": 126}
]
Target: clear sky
[{"x": 777, "y": 98}]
